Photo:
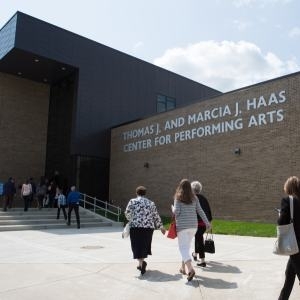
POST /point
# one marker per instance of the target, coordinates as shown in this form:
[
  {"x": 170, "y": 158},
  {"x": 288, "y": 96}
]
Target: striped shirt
[{"x": 186, "y": 214}]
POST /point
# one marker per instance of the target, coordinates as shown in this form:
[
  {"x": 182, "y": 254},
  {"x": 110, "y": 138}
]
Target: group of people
[
  {"x": 55, "y": 197},
  {"x": 192, "y": 215},
  {"x": 47, "y": 193}
]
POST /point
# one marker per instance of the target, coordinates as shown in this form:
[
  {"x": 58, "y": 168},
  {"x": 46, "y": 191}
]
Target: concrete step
[
  {"x": 40, "y": 217},
  {"x": 35, "y": 211},
  {"x": 45, "y": 221},
  {"x": 35, "y": 219},
  {"x": 52, "y": 226}
]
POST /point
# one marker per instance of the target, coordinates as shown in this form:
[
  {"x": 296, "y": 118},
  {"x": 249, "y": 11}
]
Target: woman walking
[
  {"x": 199, "y": 240},
  {"x": 144, "y": 218},
  {"x": 291, "y": 188},
  {"x": 186, "y": 207},
  {"x": 26, "y": 192}
]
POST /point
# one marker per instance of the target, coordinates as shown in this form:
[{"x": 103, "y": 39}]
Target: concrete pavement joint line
[
  {"x": 49, "y": 282},
  {"x": 247, "y": 279},
  {"x": 135, "y": 284}
]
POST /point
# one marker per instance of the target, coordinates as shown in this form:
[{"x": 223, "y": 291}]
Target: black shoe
[
  {"x": 194, "y": 256},
  {"x": 139, "y": 268},
  {"x": 203, "y": 264},
  {"x": 143, "y": 268}
]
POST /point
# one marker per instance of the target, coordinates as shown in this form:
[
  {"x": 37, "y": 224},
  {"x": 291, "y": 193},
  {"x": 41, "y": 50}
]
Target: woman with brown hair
[
  {"x": 186, "y": 207},
  {"x": 291, "y": 188}
]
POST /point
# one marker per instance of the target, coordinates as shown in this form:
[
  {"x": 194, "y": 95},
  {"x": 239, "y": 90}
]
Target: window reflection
[{"x": 165, "y": 103}]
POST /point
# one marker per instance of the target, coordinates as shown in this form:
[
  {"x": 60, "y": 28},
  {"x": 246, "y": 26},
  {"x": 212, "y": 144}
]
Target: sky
[{"x": 224, "y": 44}]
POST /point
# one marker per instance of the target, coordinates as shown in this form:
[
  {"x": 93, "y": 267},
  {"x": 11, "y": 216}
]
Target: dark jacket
[
  {"x": 285, "y": 216},
  {"x": 9, "y": 188},
  {"x": 206, "y": 208}
]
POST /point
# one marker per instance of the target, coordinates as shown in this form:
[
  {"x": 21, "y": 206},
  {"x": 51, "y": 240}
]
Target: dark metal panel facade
[{"x": 113, "y": 87}]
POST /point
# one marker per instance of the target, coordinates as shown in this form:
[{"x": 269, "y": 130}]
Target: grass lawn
[
  {"x": 244, "y": 228},
  {"x": 238, "y": 228},
  {"x": 226, "y": 226}
]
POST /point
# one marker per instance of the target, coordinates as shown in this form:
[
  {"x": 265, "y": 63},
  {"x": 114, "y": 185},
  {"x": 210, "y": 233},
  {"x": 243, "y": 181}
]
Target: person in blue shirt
[{"x": 73, "y": 200}]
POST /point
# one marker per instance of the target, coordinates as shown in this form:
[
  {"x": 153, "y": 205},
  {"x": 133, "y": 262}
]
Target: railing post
[
  {"x": 105, "y": 209},
  {"x": 84, "y": 200},
  {"x": 95, "y": 204},
  {"x": 119, "y": 213}
]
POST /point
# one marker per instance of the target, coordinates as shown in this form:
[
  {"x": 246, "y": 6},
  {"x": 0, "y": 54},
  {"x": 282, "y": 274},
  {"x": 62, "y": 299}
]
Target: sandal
[
  {"x": 182, "y": 271},
  {"x": 191, "y": 275}
]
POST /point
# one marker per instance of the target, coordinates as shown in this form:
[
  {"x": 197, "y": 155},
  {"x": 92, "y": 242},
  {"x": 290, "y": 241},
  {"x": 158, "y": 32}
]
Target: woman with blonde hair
[
  {"x": 292, "y": 189},
  {"x": 186, "y": 207}
]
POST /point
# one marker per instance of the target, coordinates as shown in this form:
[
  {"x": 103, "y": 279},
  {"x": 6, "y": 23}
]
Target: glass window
[
  {"x": 171, "y": 103},
  {"x": 165, "y": 103}
]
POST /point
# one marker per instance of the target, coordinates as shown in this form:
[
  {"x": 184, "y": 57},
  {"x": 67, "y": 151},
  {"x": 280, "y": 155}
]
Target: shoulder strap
[{"x": 291, "y": 208}]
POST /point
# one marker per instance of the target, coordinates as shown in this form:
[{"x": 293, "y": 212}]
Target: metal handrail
[{"x": 92, "y": 203}]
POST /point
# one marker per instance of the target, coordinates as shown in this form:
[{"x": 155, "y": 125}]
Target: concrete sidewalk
[{"x": 96, "y": 263}]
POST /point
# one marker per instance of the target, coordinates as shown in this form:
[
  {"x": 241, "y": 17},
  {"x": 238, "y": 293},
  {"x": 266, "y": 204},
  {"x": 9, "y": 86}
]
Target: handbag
[
  {"x": 126, "y": 231},
  {"x": 172, "y": 232},
  {"x": 286, "y": 243},
  {"x": 209, "y": 244}
]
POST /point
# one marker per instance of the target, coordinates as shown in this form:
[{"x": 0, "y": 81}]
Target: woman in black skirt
[{"x": 143, "y": 219}]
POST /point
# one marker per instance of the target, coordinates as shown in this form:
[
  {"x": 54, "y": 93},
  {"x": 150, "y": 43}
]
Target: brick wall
[
  {"x": 23, "y": 128},
  {"x": 245, "y": 186}
]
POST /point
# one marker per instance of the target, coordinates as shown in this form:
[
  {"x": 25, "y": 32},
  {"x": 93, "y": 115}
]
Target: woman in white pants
[{"x": 186, "y": 207}]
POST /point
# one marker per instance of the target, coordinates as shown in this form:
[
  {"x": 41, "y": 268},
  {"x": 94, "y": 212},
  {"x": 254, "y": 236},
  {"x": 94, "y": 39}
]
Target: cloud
[
  {"x": 241, "y": 26},
  {"x": 261, "y": 3},
  {"x": 294, "y": 32},
  {"x": 225, "y": 65}
]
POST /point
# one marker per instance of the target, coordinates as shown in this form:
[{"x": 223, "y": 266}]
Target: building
[
  {"x": 242, "y": 146},
  {"x": 60, "y": 94}
]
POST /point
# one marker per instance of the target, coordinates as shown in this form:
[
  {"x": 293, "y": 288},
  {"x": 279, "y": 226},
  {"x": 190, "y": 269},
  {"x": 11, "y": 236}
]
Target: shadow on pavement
[
  {"x": 216, "y": 283},
  {"x": 217, "y": 267},
  {"x": 158, "y": 276}
]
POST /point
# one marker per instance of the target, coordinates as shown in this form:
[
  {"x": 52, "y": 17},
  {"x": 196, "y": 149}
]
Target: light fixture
[
  {"x": 146, "y": 165},
  {"x": 45, "y": 80},
  {"x": 63, "y": 68},
  {"x": 36, "y": 60},
  {"x": 237, "y": 151},
  {"x": 19, "y": 73}
]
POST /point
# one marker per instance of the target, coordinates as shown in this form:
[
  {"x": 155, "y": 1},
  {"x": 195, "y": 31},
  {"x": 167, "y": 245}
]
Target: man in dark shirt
[{"x": 9, "y": 192}]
